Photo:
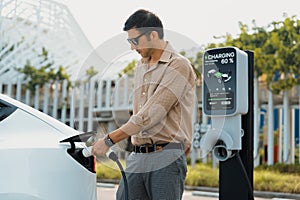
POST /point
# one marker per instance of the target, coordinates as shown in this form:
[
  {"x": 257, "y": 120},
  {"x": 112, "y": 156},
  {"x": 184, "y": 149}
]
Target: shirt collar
[{"x": 167, "y": 54}]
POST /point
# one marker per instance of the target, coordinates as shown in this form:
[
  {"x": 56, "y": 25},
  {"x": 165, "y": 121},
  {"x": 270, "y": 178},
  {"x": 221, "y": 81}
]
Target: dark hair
[{"x": 144, "y": 19}]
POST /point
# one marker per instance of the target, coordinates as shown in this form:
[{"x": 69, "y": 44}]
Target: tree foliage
[
  {"x": 276, "y": 49},
  {"x": 285, "y": 42},
  {"x": 44, "y": 74},
  {"x": 129, "y": 69},
  {"x": 90, "y": 72}
]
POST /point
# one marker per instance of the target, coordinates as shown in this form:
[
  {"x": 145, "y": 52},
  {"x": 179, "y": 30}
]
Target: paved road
[{"x": 107, "y": 192}]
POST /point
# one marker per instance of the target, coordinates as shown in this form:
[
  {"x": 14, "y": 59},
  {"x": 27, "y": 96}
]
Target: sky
[
  {"x": 196, "y": 20},
  {"x": 189, "y": 24}
]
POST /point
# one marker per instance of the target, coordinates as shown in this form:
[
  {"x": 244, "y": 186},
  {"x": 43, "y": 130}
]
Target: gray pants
[{"x": 155, "y": 176}]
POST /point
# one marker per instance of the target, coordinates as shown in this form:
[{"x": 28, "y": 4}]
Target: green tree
[
  {"x": 284, "y": 51},
  {"x": 91, "y": 72},
  {"x": 276, "y": 49},
  {"x": 45, "y": 74},
  {"x": 248, "y": 40},
  {"x": 129, "y": 69}
]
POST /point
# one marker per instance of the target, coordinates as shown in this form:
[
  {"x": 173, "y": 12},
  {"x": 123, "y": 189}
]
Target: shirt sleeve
[{"x": 178, "y": 79}]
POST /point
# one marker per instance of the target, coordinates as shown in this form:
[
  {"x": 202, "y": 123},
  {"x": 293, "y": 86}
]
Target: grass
[
  {"x": 276, "y": 182},
  {"x": 202, "y": 175},
  {"x": 277, "y": 178},
  {"x": 108, "y": 170}
]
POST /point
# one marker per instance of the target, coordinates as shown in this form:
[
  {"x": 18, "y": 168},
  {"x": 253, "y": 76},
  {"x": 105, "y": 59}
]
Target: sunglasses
[{"x": 135, "y": 40}]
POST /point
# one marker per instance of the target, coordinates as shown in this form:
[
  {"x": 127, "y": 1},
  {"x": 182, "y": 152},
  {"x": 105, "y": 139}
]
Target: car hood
[
  {"x": 61, "y": 127},
  {"x": 27, "y": 126}
]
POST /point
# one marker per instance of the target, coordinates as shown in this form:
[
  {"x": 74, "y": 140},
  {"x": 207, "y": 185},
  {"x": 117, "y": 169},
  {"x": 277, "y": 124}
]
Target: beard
[{"x": 145, "y": 53}]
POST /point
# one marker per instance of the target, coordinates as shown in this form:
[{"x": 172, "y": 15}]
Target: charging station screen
[
  {"x": 219, "y": 74},
  {"x": 220, "y": 101}
]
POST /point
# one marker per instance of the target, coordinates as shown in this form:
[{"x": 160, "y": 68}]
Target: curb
[
  {"x": 205, "y": 194},
  {"x": 198, "y": 191},
  {"x": 211, "y": 191}
]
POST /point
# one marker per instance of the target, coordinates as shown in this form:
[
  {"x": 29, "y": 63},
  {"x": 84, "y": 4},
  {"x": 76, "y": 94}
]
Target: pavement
[
  {"x": 104, "y": 193},
  {"x": 108, "y": 191}
]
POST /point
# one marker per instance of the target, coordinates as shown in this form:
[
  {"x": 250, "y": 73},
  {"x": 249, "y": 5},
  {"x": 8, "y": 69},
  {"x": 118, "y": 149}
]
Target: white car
[{"x": 41, "y": 158}]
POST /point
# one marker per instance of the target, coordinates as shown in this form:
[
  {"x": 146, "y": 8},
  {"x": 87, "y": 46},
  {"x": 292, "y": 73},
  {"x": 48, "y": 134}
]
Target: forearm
[
  {"x": 118, "y": 135},
  {"x": 100, "y": 147}
]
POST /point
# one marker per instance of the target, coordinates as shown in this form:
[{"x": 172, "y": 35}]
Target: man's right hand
[{"x": 100, "y": 148}]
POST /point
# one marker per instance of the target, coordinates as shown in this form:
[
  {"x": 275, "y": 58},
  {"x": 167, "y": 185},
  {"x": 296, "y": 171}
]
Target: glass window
[{"x": 6, "y": 109}]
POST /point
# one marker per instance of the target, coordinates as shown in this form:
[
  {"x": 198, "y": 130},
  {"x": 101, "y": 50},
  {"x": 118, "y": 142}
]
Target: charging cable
[
  {"x": 246, "y": 175},
  {"x": 87, "y": 152}
]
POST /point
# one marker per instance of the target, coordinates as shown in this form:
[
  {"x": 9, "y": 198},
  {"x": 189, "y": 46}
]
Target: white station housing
[{"x": 225, "y": 99}]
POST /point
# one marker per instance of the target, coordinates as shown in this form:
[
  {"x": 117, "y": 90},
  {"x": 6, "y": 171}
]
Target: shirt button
[
  {"x": 145, "y": 80},
  {"x": 143, "y": 93},
  {"x": 144, "y": 133},
  {"x": 140, "y": 106}
]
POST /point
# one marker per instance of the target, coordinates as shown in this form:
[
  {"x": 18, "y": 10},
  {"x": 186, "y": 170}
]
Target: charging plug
[{"x": 87, "y": 152}]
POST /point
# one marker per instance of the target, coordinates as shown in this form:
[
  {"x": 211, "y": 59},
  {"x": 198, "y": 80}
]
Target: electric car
[{"x": 41, "y": 158}]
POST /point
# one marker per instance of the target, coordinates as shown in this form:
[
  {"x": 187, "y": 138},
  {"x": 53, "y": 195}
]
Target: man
[{"x": 161, "y": 124}]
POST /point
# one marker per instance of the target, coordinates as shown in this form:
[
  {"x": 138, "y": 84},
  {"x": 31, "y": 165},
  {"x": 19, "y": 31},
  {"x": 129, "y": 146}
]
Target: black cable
[
  {"x": 246, "y": 175},
  {"x": 115, "y": 158},
  {"x": 111, "y": 155}
]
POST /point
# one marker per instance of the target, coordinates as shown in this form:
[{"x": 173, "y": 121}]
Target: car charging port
[
  {"x": 88, "y": 162},
  {"x": 76, "y": 153}
]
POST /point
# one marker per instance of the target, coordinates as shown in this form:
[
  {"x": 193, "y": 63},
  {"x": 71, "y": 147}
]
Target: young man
[{"x": 161, "y": 124}]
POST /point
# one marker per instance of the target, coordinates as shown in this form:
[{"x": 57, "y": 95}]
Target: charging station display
[{"x": 219, "y": 88}]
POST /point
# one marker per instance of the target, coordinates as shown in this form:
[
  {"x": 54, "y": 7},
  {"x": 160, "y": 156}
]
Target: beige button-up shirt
[{"x": 163, "y": 101}]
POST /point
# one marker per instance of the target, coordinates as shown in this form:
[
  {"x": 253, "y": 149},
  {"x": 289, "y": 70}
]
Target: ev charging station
[
  {"x": 225, "y": 91},
  {"x": 227, "y": 97}
]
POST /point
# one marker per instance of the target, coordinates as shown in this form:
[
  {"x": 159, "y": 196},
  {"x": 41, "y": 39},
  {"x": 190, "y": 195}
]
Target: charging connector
[{"x": 87, "y": 152}]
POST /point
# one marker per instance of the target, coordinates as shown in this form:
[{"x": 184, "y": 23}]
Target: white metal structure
[
  {"x": 34, "y": 164},
  {"x": 26, "y": 26},
  {"x": 80, "y": 106}
]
